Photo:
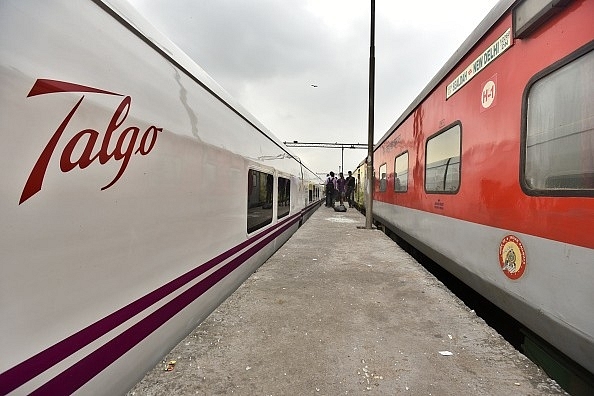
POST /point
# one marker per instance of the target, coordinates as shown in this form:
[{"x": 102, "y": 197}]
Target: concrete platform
[{"x": 344, "y": 311}]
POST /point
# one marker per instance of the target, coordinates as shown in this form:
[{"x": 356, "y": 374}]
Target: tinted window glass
[
  {"x": 383, "y": 170},
  {"x": 401, "y": 172},
  {"x": 260, "y": 188},
  {"x": 284, "y": 197},
  {"x": 442, "y": 161},
  {"x": 559, "y": 147}
]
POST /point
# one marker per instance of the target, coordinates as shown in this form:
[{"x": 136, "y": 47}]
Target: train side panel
[
  {"x": 530, "y": 253},
  {"x": 124, "y": 196}
]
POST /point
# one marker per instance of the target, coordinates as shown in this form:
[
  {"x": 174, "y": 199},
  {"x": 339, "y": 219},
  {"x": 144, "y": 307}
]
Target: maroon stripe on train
[
  {"x": 37, "y": 364},
  {"x": 81, "y": 372}
]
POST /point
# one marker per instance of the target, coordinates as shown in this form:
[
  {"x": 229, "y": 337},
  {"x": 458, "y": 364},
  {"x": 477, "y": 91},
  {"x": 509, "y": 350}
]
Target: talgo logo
[{"x": 130, "y": 141}]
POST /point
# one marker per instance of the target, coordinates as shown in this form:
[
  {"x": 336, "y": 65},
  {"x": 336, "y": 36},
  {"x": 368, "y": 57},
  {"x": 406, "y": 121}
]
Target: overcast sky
[{"x": 268, "y": 53}]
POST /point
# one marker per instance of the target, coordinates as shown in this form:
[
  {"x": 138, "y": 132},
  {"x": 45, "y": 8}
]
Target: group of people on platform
[{"x": 341, "y": 189}]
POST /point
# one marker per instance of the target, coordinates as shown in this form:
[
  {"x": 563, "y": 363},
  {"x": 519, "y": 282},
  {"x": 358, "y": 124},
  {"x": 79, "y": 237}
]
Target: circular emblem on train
[
  {"x": 488, "y": 94},
  {"x": 512, "y": 257}
]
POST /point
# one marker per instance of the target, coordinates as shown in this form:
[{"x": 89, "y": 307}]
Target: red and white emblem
[
  {"x": 489, "y": 93},
  {"x": 512, "y": 257}
]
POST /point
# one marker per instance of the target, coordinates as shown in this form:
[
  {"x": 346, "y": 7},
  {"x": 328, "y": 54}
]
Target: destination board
[{"x": 503, "y": 43}]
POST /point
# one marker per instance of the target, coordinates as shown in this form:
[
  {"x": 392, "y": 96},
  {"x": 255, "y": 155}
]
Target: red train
[{"x": 490, "y": 171}]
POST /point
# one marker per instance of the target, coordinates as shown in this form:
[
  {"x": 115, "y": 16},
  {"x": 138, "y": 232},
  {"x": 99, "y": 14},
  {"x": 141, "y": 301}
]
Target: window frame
[
  {"x": 441, "y": 131},
  {"x": 252, "y": 183},
  {"x": 379, "y": 171},
  {"x": 284, "y": 213},
  {"x": 524, "y": 128},
  {"x": 407, "y": 171}
]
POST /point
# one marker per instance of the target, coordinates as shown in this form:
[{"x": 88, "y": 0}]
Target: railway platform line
[{"x": 341, "y": 310}]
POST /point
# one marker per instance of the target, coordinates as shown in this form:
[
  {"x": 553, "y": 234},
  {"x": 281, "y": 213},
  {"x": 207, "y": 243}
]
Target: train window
[
  {"x": 284, "y": 197},
  {"x": 442, "y": 161},
  {"x": 401, "y": 172},
  {"x": 260, "y": 188},
  {"x": 558, "y": 145},
  {"x": 383, "y": 171}
]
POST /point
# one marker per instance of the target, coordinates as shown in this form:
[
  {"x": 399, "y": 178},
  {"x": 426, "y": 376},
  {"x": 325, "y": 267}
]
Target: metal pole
[
  {"x": 369, "y": 189},
  {"x": 342, "y": 159}
]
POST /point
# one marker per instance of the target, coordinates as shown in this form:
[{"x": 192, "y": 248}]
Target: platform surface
[{"x": 340, "y": 310}]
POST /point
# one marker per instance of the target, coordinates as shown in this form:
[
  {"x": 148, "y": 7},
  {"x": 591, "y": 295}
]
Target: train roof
[
  {"x": 133, "y": 20},
  {"x": 486, "y": 24}
]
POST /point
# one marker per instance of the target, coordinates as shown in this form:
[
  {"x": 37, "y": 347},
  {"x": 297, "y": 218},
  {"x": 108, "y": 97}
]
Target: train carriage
[
  {"x": 360, "y": 176},
  {"x": 490, "y": 170},
  {"x": 136, "y": 196}
]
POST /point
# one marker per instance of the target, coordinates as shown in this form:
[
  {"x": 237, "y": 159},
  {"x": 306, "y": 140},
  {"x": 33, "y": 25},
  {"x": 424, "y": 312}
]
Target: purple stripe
[
  {"x": 35, "y": 365},
  {"x": 311, "y": 207},
  {"x": 80, "y": 373}
]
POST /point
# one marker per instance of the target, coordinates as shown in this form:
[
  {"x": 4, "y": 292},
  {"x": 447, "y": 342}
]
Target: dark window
[
  {"x": 260, "y": 188},
  {"x": 284, "y": 197},
  {"x": 401, "y": 172},
  {"x": 559, "y": 131},
  {"x": 383, "y": 171},
  {"x": 442, "y": 161}
]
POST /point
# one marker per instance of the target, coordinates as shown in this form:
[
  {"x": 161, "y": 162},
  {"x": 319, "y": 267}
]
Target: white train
[{"x": 136, "y": 195}]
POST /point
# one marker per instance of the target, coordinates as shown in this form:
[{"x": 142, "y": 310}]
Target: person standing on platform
[
  {"x": 330, "y": 189},
  {"x": 326, "y": 187},
  {"x": 350, "y": 189},
  {"x": 341, "y": 186}
]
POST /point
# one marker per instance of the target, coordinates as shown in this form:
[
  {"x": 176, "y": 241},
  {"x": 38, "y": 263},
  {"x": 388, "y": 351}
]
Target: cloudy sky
[{"x": 268, "y": 54}]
